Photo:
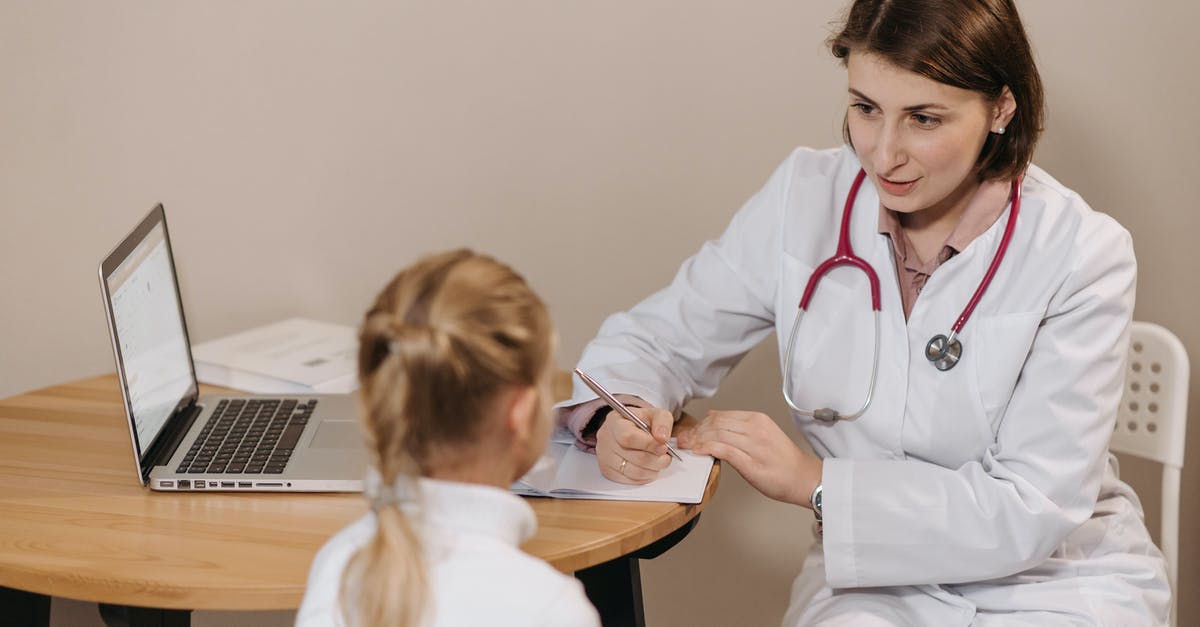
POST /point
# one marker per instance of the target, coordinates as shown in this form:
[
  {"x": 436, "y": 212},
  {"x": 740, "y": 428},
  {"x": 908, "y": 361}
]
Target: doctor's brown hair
[
  {"x": 444, "y": 338},
  {"x": 978, "y": 45}
]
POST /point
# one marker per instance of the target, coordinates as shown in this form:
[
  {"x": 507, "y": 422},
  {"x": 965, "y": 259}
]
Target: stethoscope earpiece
[{"x": 943, "y": 352}]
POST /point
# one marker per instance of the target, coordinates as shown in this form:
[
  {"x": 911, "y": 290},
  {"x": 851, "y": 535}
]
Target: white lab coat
[{"x": 983, "y": 493}]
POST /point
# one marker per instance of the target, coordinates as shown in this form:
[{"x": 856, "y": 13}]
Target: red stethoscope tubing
[
  {"x": 991, "y": 271},
  {"x": 941, "y": 351},
  {"x": 845, "y": 256}
]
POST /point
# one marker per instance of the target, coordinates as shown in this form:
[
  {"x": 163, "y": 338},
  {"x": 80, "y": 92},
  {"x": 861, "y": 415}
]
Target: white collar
[{"x": 466, "y": 508}]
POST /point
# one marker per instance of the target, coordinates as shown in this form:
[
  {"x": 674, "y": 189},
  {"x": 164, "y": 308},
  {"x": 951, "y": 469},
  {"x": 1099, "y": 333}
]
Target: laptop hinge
[{"x": 164, "y": 446}]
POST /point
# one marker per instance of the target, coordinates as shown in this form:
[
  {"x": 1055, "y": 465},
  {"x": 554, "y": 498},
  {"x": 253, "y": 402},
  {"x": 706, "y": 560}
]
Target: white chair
[{"x": 1152, "y": 422}]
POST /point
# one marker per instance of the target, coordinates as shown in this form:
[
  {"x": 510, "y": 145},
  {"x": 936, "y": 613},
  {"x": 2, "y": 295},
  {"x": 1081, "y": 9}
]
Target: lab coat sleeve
[
  {"x": 678, "y": 343},
  {"x": 907, "y": 522}
]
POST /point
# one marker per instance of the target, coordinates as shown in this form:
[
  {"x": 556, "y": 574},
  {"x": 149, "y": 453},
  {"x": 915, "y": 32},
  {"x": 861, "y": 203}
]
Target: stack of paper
[
  {"x": 294, "y": 356},
  {"x": 566, "y": 472}
]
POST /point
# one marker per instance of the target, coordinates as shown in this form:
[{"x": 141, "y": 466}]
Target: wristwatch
[{"x": 815, "y": 501}]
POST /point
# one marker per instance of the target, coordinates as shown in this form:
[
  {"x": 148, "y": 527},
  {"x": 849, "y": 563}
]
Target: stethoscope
[{"x": 943, "y": 351}]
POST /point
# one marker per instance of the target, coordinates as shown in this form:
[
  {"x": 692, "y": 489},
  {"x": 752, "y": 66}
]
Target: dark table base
[{"x": 615, "y": 587}]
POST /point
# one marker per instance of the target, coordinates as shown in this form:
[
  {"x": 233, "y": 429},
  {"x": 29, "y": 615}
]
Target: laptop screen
[{"x": 148, "y": 331}]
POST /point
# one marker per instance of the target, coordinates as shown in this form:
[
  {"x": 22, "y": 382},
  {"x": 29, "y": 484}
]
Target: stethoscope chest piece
[{"x": 943, "y": 352}]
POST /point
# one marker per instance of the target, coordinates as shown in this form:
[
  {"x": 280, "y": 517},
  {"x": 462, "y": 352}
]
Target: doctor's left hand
[{"x": 759, "y": 450}]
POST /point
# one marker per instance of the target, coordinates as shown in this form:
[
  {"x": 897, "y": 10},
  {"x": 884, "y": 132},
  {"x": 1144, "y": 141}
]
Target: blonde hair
[{"x": 442, "y": 340}]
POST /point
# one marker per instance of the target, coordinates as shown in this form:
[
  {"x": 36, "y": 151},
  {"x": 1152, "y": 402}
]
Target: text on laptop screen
[{"x": 149, "y": 330}]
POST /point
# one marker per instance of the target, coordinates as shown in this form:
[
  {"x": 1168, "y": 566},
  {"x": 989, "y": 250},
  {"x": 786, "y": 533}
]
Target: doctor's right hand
[{"x": 627, "y": 454}]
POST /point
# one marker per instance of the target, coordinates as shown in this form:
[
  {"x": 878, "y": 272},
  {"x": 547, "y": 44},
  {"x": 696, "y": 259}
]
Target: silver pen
[{"x": 620, "y": 407}]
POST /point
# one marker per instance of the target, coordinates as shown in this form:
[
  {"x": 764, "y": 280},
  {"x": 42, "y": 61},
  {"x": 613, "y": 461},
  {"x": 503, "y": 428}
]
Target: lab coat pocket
[{"x": 1003, "y": 343}]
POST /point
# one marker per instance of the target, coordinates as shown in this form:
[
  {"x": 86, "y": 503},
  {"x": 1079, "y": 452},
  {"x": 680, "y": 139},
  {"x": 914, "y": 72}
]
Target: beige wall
[{"x": 305, "y": 150}]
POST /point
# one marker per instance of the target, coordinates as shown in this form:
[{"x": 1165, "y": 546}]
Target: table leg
[
  {"x": 615, "y": 587},
  {"x": 18, "y": 607},
  {"x": 130, "y": 616}
]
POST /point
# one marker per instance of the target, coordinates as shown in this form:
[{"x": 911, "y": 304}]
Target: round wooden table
[{"x": 75, "y": 521}]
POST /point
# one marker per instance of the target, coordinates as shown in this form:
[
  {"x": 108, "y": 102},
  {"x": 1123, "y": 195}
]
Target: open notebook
[{"x": 566, "y": 472}]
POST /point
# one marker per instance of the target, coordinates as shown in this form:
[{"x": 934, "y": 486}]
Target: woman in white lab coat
[{"x": 978, "y": 495}]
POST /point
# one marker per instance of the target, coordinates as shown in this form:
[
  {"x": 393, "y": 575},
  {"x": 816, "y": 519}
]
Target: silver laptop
[{"x": 184, "y": 442}]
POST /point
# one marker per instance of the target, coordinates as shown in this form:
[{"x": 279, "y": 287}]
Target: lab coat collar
[{"x": 985, "y": 206}]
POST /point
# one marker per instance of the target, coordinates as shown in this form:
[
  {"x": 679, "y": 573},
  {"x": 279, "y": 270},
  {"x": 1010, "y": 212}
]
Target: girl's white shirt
[
  {"x": 471, "y": 536},
  {"x": 984, "y": 490}
]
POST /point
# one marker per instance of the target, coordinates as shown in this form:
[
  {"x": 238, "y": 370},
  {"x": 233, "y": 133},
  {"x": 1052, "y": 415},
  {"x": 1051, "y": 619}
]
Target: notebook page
[{"x": 579, "y": 477}]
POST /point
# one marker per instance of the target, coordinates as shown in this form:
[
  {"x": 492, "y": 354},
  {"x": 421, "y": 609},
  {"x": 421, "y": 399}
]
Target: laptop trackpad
[{"x": 337, "y": 434}]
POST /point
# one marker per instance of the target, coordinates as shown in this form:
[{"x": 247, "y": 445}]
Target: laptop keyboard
[{"x": 244, "y": 436}]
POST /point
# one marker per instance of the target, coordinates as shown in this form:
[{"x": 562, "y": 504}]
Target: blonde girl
[{"x": 453, "y": 366}]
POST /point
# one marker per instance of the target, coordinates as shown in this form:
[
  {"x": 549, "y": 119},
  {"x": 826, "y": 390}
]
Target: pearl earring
[{"x": 1000, "y": 131}]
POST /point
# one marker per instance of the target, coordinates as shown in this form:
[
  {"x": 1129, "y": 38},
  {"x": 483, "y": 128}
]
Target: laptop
[{"x": 186, "y": 442}]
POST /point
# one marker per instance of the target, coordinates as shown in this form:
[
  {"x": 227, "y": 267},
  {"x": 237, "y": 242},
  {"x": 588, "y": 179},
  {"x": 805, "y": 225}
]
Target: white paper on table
[
  {"x": 566, "y": 472},
  {"x": 296, "y": 355}
]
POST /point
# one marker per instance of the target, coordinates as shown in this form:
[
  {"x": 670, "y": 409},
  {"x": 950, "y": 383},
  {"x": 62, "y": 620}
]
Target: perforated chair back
[{"x": 1152, "y": 421}]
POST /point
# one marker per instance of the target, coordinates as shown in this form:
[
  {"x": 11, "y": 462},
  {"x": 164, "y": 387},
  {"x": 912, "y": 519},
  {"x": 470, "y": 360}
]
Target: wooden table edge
[
  {"x": 153, "y": 594},
  {"x": 642, "y": 536},
  {"x": 138, "y": 593}
]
